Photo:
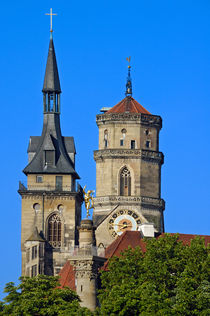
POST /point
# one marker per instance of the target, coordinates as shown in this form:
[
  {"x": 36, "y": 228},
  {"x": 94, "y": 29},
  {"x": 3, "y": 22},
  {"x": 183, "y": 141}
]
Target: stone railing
[
  {"x": 143, "y": 200},
  {"x": 23, "y": 187},
  {"x": 148, "y": 155},
  {"x": 146, "y": 119}
]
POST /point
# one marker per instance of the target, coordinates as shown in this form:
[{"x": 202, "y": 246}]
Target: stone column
[{"x": 86, "y": 264}]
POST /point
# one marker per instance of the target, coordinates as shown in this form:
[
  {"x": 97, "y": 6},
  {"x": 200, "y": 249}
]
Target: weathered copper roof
[
  {"x": 130, "y": 105},
  {"x": 51, "y": 79}
]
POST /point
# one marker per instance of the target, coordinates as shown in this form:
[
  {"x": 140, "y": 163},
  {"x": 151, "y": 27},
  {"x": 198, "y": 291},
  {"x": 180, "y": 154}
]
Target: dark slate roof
[
  {"x": 51, "y": 79},
  {"x": 51, "y": 139},
  {"x": 69, "y": 143},
  {"x": 35, "y": 236}
]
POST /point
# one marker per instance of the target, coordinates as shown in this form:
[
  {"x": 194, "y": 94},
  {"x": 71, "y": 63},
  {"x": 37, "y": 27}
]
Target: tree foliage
[
  {"x": 40, "y": 295},
  {"x": 169, "y": 279}
]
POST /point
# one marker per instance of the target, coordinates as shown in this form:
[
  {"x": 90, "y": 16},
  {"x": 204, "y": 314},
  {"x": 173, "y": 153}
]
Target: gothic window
[
  {"x": 125, "y": 182},
  {"x": 54, "y": 231}
]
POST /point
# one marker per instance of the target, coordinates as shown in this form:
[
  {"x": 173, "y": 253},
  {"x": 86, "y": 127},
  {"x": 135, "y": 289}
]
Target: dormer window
[{"x": 49, "y": 157}]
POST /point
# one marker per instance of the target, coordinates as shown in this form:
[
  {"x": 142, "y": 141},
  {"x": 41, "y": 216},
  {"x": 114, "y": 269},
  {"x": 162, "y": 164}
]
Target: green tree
[
  {"x": 169, "y": 279},
  {"x": 40, "y": 295}
]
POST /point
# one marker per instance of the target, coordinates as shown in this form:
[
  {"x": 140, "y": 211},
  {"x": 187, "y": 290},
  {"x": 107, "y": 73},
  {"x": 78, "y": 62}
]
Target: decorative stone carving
[
  {"x": 141, "y": 200},
  {"x": 146, "y": 119},
  {"x": 85, "y": 268},
  {"x": 148, "y": 155}
]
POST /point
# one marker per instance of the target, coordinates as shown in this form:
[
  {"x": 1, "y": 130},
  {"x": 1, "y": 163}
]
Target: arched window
[
  {"x": 125, "y": 182},
  {"x": 105, "y": 138},
  {"x": 54, "y": 231}
]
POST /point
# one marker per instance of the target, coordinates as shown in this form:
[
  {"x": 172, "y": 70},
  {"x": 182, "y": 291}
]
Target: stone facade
[
  {"x": 131, "y": 141},
  {"x": 37, "y": 208}
]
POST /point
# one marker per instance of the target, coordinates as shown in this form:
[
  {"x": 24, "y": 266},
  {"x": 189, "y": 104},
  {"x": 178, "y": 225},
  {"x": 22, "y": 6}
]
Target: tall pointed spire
[
  {"x": 51, "y": 88},
  {"x": 51, "y": 79},
  {"x": 128, "y": 91}
]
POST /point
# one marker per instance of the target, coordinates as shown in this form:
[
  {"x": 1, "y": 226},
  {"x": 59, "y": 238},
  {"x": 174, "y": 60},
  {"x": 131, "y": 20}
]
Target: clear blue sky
[{"x": 169, "y": 42}]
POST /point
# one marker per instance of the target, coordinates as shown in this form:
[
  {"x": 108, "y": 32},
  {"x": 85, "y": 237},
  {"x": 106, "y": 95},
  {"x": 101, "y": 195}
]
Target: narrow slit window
[
  {"x": 133, "y": 144},
  {"x": 148, "y": 143},
  {"x": 34, "y": 252},
  {"x": 34, "y": 270},
  {"x": 121, "y": 142},
  {"x": 105, "y": 138}
]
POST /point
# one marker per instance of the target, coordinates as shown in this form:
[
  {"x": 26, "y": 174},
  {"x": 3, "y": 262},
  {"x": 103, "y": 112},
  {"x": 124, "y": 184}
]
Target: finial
[
  {"x": 128, "y": 91},
  {"x": 51, "y": 14},
  {"x": 88, "y": 197}
]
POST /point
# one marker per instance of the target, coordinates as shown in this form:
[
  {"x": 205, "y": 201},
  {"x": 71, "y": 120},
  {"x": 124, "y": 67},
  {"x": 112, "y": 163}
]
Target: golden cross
[{"x": 51, "y": 14}]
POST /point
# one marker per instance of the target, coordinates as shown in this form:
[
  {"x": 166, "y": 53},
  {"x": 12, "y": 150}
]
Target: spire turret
[
  {"x": 51, "y": 88},
  {"x": 128, "y": 91}
]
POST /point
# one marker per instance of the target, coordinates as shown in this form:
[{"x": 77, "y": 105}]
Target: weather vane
[
  {"x": 129, "y": 60},
  {"x": 51, "y": 14},
  {"x": 128, "y": 91},
  {"x": 88, "y": 197}
]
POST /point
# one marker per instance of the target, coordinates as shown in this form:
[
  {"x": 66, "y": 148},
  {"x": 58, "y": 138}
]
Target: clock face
[{"x": 123, "y": 220}]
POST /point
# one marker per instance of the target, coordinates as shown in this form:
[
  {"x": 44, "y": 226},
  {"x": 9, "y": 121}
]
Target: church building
[{"x": 128, "y": 204}]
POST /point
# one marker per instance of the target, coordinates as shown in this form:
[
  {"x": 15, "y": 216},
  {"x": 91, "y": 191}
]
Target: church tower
[
  {"x": 128, "y": 170},
  {"x": 51, "y": 201}
]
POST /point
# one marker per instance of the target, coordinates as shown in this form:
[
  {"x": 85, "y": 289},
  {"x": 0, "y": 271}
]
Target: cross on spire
[{"x": 51, "y": 14}]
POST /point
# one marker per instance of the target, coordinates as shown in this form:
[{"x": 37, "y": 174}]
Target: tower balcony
[
  {"x": 147, "y": 155},
  {"x": 47, "y": 187}
]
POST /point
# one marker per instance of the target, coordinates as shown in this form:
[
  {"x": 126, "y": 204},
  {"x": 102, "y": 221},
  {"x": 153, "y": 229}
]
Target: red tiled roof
[
  {"x": 186, "y": 238},
  {"x": 128, "y": 238},
  {"x": 67, "y": 276},
  {"x": 134, "y": 239},
  {"x": 128, "y": 104}
]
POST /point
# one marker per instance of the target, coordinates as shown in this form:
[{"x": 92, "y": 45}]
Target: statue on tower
[{"x": 88, "y": 198}]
